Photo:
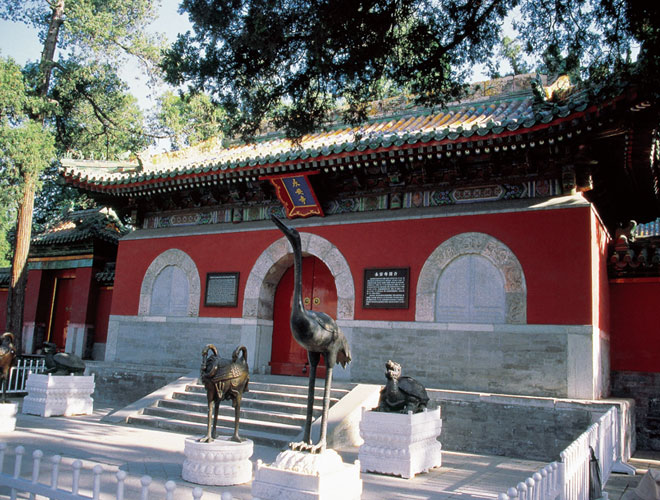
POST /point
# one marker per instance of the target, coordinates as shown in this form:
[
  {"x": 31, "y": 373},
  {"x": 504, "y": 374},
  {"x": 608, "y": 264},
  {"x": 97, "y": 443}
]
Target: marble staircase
[{"x": 272, "y": 411}]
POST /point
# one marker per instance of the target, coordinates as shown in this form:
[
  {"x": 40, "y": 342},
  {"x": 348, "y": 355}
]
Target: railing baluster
[
  {"x": 97, "y": 470},
  {"x": 146, "y": 481},
  {"x": 531, "y": 488},
  {"x": 538, "y": 489},
  {"x": 170, "y": 486},
  {"x": 18, "y": 460},
  {"x": 197, "y": 493},
  {"x": 36, "y": 465},
  {"x": 55, "y": 472},
  {"x": 75, "y": 483},
  {"x": 121, "y": 477}
]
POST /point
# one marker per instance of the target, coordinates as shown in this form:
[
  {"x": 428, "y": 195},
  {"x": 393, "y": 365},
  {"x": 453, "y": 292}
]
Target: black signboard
[
  {"x": 386, "y": 288},
  {"x": 221, "y": 289}
]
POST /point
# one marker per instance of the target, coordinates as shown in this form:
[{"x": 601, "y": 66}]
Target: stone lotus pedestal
[
  {"x": 52, "y": 395},
  {"x": 298, "y": 475},
  {"x": 400, "y": 444},
  {"x": 219, "y": 463},
  {"x": 8, "y": 416}
]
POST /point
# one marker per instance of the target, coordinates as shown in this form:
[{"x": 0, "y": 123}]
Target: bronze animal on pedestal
[
  {"x": 401, "y": 394},
  {"x": 319, "y": 335},
  {"x": 223, "y": 379},
  {"x": 62, "y": 363},
  {"x": 7, "y": 358}
]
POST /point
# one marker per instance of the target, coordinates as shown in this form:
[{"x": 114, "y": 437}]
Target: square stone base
[
  {"x": 8, "y": 416},
  {"x": 53, "y": 395},
  {"x": 400, "y": 444},
  {"x": 303, "y": 476}
]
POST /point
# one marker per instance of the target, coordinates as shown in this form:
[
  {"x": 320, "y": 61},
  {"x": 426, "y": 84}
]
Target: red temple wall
[
  {"x": 635, "y": 320},
  {"x": 601, "y": 302},
  {"x": 554, "y": 248}
]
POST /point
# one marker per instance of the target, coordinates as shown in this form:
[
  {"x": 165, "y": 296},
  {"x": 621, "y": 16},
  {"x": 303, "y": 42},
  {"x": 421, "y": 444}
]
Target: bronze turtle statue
[
  {"x": 62, "y": 363},
  {"x": 401, "y": 394}
]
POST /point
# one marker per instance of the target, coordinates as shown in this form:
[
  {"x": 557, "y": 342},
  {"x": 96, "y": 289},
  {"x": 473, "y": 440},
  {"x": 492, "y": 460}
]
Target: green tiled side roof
[
  {"x": 5, "y": 277},
  {"x": 482, "y": 117},
  {"x": 100, "y": 223}
]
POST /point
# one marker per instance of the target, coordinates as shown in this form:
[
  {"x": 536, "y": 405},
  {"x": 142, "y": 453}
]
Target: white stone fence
[
  {"x": 19, "y": 373},
  {"x": 568, "y": 479},
  {"x": 18, "y": 484}
]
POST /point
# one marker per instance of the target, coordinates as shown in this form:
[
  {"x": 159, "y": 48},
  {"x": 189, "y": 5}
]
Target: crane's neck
[{"x": 297, "y": 277}]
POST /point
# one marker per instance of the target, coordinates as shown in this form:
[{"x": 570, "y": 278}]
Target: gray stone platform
[{"x": 160, "y": 454}]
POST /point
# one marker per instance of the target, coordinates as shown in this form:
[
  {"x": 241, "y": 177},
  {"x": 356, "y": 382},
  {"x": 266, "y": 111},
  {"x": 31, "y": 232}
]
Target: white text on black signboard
[{"x": 386, "y": 288}]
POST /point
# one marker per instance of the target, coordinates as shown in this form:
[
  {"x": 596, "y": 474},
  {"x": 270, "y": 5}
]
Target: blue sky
[{"x": 21, "y": 42}]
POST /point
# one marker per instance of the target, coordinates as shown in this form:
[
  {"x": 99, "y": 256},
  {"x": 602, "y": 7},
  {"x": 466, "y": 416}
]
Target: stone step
[
  {"x": 272, "y": 411},
  {"x": 227, "y": 421},
  {"x": 226, "y": 410},
  {"x": 254, "y": 394},
  {"x": 247, "y": 404},
  {"x": 297, "y": 389},
  {"x": 263, "y": 437}
]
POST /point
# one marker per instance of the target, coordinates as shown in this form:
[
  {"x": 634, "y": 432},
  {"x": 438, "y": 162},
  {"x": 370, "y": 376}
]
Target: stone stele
[
  {"x": 219, "y": 463},
  {"x": 400, "y": 444},
  {"x": 297, "y": 475},
  {"x": 52, "y": 395}
]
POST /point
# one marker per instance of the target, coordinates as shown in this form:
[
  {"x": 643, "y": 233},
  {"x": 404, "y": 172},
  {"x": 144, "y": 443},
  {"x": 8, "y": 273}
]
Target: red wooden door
[
  {"x": 60, "y": 311},
  {"x": 319, "y": 294}
]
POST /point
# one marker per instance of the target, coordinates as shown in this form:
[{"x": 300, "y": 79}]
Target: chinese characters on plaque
[
  {"x": 386, "y": 288},
  {"x": 221, "y": 289}
]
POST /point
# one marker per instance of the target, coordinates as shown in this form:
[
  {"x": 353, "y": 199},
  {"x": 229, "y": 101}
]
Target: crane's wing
[{"x": 325, "y": 321}]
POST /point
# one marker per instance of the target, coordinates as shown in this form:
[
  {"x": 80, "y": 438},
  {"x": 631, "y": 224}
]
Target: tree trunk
[
  {"x": 50, "y": 44},
  {"x": 19, "y": 270}
]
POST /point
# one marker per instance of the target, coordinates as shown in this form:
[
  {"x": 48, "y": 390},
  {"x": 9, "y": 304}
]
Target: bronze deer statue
[
  {"x": 7, "y": 358},
  {"x": 223, "y": 379}
]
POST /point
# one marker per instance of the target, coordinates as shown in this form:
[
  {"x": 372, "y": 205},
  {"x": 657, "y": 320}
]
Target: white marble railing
[
  {"x": 568, "y": 479},
  {"x": 19, "y": 373},
  {"x": 19, "y": 485}
]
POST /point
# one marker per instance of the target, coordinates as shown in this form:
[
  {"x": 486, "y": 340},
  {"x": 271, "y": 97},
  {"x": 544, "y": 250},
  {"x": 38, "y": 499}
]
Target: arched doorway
[{"x": 319, "y": 294}]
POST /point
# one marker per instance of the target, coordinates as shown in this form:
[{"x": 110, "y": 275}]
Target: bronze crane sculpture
[{"x": 318, "y": 334}]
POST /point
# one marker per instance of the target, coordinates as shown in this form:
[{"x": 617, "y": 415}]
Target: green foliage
[
  {"x": 289, "y": 61},
  {"x": 512, "y": 52},
  {"x": 55, "y": 199},
  {"x": 26, "y": 147},
  {"x": 189, "y": 118},
  {"x": 93, "y": 30},
  {"x": 86, "y": 106},
  {"x": 95, "y": 114},
  {"x": 592, "y": 40}
]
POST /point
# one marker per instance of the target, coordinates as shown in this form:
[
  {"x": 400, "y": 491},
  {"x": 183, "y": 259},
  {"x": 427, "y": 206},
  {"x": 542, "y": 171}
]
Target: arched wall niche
[
  {"x": 501, "y": 256},
  {"x": 182, "y": 261}
]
